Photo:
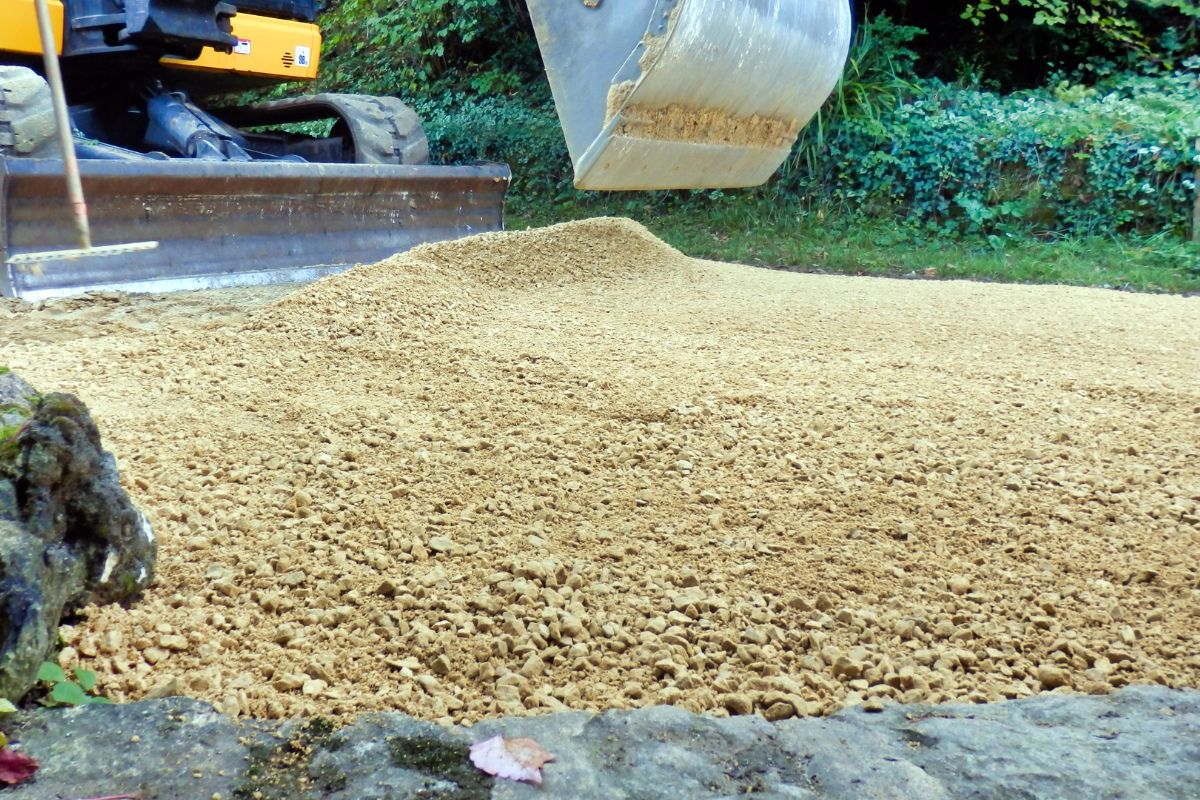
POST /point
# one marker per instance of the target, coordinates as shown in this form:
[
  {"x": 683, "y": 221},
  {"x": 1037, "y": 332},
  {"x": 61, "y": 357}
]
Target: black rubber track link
[
  {"x": 384, "y": 130},
  {"x": 26, "y": 115}
]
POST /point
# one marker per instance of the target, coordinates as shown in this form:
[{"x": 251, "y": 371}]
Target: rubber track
[
  {"x": 26, "y": 115},
  {"x": 384, "y": 129},
  {"x": 388, "y": 131}
]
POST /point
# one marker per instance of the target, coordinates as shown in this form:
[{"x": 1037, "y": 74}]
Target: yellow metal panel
[
  {"x": 267, "y": 48},
  {"x": 19, "y": 32}
]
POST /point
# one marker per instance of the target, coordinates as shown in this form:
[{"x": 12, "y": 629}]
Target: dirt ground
[{"x": 571, "y": 468}]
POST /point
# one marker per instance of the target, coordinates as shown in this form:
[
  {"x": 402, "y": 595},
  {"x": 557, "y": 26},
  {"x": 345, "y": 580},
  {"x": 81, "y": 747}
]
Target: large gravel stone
[
  {"x": 69, "y": 534},
  {"x": 1141, "y": 742}
]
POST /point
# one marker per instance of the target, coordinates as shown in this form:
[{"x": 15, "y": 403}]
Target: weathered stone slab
[{"x": 1141, "y": 742}]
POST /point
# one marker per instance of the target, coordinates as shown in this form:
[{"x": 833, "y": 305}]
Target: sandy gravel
[{"x": 572, "y": 468}]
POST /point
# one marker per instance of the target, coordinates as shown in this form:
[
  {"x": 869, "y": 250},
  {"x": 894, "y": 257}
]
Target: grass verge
[{"x": 753, "y": 231}]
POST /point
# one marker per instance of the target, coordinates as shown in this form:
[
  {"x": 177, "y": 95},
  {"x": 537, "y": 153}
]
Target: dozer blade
[
  {"x": 232, "y": 224},
  {"x": 672, "y": 94}
]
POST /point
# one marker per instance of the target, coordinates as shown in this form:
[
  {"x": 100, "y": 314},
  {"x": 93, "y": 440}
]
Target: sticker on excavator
[{"x": 665, "y": 94}]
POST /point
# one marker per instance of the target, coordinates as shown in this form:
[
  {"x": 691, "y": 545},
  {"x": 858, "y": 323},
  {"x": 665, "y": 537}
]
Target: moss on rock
[{"x": 69, "y": 534}]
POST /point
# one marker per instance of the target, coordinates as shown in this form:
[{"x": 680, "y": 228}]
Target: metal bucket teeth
[
  {"x": 662, "y": 94},
  {"x": 232, "y": 224}
]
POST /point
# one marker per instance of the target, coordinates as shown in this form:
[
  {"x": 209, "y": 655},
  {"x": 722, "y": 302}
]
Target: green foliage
[
  {"x": 522, "y": 132},
  {"x": 1115, "y": 20},
  {"x": 879, "y": 75},
  {"x": 63, "y": 691},
  {"x": 422, "y": 47},
  {"x": 1117, "y": 157},
  {"x": 1110, "y": 18},
  {"x": 1017, "y": 43}
]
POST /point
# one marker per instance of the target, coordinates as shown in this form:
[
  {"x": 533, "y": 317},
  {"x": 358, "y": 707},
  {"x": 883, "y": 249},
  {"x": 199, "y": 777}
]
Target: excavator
[{"x": 651, "y": 94}]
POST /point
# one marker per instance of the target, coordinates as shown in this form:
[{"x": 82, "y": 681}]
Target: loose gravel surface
[{"x": 572, "y": 468}]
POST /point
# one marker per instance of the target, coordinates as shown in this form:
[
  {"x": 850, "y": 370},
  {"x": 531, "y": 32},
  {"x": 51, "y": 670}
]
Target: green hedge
[
  {"x": 522, "y": 132},
  {"x": 1116, "y": 158}
]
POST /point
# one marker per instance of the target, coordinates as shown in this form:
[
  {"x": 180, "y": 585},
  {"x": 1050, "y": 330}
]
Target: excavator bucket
[
  {"x": 223, "y": 223},
  {"x": 672, "y": 94}
]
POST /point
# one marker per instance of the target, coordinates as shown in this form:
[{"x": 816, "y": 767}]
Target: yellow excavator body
[
  {"x": 19, "y": 34},
  {"x": 267, "y": 47}
]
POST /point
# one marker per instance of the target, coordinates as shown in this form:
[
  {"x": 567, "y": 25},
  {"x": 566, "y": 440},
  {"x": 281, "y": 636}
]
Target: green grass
[{"x": 754, "y": 231}]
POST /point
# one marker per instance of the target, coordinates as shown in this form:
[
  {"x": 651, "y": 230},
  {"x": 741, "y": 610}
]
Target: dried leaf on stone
[
  {"x": 15, "y": 767},
  {"x": 514, "y": 759}
]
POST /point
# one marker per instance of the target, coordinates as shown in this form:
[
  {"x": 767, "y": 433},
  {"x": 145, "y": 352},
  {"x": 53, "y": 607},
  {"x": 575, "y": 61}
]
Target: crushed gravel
[{"x": 571, "y": 468}]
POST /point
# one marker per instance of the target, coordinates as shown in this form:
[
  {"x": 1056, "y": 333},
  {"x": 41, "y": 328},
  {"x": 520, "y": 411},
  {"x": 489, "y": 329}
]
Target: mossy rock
[{"x": 69, "y": 534}]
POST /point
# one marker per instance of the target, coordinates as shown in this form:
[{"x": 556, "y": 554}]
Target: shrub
[
  {"x": 522, "y": 132},
  {"x": 1119, "y": 157},
  {"x": 427, "y": 46}
]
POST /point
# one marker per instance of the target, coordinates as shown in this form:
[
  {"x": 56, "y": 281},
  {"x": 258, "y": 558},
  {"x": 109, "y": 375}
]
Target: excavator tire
[{"x": 26, "y": 115}]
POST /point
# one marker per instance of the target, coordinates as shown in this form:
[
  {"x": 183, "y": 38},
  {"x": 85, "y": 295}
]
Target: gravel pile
[{"x": 570, "y": 468}]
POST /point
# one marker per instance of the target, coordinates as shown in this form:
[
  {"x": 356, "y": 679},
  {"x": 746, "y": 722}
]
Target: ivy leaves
[
  {"x": 1117, "y": 157},
  {"x": 67, "y": 692}
]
